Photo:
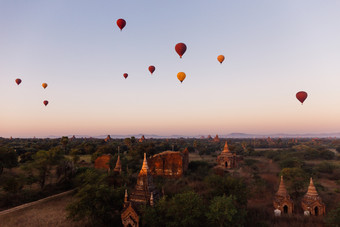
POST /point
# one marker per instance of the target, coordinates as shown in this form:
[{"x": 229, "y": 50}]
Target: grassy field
[{"x": 206, "y": 158}]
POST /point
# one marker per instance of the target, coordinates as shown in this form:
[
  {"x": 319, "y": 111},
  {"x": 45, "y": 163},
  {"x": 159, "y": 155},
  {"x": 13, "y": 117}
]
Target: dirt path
[{"x": 50, "y": 212}]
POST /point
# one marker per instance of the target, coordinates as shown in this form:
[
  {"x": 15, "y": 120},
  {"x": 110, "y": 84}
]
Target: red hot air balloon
[
  {"x": 151, "y": 68},
  {"x": 45, "y": 102},
  {"x": 301, "y": 96},
  {"x": 121, "y": 23},
  {"x": 125, "y": 75},
  {"x": 180, "y": 49},
  {"x": 18, "y": 81}
]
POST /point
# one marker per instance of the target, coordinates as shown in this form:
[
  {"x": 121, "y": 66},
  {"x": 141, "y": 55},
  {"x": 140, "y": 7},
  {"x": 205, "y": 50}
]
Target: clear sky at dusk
[{"x": 273, "y": 49}]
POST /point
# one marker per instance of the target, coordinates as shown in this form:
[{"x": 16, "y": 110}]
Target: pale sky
[{"x": 273, "y": 49}]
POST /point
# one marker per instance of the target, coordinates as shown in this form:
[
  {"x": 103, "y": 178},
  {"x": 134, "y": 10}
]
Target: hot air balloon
[
  {"x": 180, "y": 49},
  {"x": 121, "y": 23},
  {"x": 45, "y": 102},
  {"x": 125, "y": 75},
  {"x": 181, "y": 76},
  {"x": 220, "y": 58},
  {"x": 151, "y": 68},
  {"x": 301, "y": 96},
  {"x": 18, "y": 81},
  {"x": 44, "y": 85}
]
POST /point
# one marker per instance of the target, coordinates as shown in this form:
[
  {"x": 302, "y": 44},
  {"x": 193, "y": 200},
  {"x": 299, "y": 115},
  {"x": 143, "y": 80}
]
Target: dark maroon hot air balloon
[
  {"x": 45, "y": 102},
  {"x": 301, "y": 96},
  {"x": 18, "y": 81},
  {"x": 125, "y": 75},
  {"x": 151, "y": 68},
  {"x": 121, "y": 23},
  {"x": 180, "y": 49}
]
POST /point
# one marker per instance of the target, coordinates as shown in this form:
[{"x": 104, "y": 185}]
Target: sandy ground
[{"x": 49, "y": 213}]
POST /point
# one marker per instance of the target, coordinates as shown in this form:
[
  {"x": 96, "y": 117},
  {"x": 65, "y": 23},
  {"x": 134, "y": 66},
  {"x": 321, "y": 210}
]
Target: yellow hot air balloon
[
  {"x": 44, "y": 85},
  {"x": 220, "y": 58},
  {"x": 181, "y": 76}
]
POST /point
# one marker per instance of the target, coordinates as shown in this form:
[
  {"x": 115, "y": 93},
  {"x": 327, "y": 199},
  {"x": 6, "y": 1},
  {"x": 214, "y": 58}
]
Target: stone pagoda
[
  {"x": 311, "y": 203},
  {"x": 144, "y": 193},
  {"x": 282, "y": 201},
  {"x": 118, "y": 167},
  {"x": 226, "y": 159}
]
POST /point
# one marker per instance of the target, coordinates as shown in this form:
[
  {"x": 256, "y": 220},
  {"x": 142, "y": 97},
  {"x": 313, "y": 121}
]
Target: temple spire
[
  {"x": 226, "y": 148},
  {"x": 118, "y": 167},
  {"x": 145, "y": 167},
  {"x": 126, "y": 196},
  {"x": 282, "y": 189},
  {"x": 311, "y": 189}
]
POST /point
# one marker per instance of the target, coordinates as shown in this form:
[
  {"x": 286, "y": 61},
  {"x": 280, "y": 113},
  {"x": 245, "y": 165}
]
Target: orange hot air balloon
[
  {"x": 220, "y": 58},
  {"x": 18, "y": 81},
  {"x": 125, "y": 75},
  {"x": 121, "y": 23},
  {"x": 151, "y": 68},
  {"x": 301, "y": 96},
  {"x": 44, "y": 85},
  {"x": 180, "y": 49},
  {"x": 45, "y": 102},
  {"x": 181, "y": 76}
]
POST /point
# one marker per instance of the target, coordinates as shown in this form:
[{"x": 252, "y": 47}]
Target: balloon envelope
[
  {"x": 220, "y": 58},
  {"x": 18, "y": 81},
  {"x": 121, "y": 23},
  {"x": 45, "y": 102},
  {"x": 125, "y": 75},
  {"x": 44, "y": 85},
  {"x": 301, "y": 96},
  {"x": 180, "y": 49},
  {"x": 151, "y": 68},
  {"x": 181, "y": 76}
]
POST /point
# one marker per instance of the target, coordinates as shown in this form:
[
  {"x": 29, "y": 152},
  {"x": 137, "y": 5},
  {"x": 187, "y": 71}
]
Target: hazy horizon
[{"x": 272, "y": 50}]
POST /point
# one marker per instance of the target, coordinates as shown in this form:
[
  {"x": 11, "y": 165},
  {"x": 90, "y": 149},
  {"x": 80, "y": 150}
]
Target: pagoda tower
[
  {"x": 311, "y": 203},
  {"x": 226, "y": 159},
  {"x": 282, "y": 201},
  {"x": 144, "y": 193},
  {"x": 118, "y": 167}
]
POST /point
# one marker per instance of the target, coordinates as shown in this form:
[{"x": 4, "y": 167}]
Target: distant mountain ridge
[{"x": 234, "y": 135}]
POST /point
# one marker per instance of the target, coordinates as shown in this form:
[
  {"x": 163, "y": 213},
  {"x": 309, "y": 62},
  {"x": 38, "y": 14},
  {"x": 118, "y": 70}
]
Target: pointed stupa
[
  {"x": 145, "y": 168},
  {"x": 226, "y": 148},
  {"x": 311, "y": 189},
  {"x": 151, "y": 200},
  {"x": 125, "y": 196},
  {"x": 118, "y": 167},
  {"x": 282, "y": 189}
]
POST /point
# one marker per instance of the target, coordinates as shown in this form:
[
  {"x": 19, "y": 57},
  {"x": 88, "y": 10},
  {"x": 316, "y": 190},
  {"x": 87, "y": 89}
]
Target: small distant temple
[
  {"x": 144, "y": 193},
  {"x": 282, "y": 201},
  {"x": 142, "y": 139},
  {"x": 226, "y": 159},
  {"x": 103, "y": 162},
  {"x": 170, "y": 164},
  {"x": 108, "y": 138},
  {"x": 216, "y": 139},
  {"x": 118, "y": 167},
  {"x": 311, "y": 203},
  {"x": 209, "y": 137}
]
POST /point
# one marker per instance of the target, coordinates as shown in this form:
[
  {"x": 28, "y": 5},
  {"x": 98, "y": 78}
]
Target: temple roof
[
  {"x": 311, "y": 189},
  {"x": 282, "y": 189}
]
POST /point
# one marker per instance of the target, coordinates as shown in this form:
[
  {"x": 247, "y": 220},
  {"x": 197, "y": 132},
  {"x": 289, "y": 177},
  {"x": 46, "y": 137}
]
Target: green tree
[
  {"x": 8, "y": 159},
  {"x": 224, "y": 212},
  {"x": 333, "y": 218},
  {"x": 185, "y": 209},
  {"x": 96, "y": 201}
]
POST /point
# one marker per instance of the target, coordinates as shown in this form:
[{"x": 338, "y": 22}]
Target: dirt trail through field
[{"x": 50, "y": 212}]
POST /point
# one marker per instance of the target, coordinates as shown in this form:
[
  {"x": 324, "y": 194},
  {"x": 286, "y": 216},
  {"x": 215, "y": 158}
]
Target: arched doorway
[
  {"x": 285, "y": 209},
  {"x": 316, "y": 211},
  {"x": 226, "y": 164}
]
